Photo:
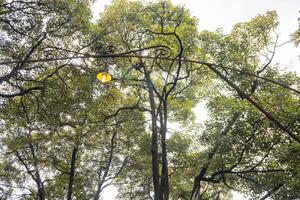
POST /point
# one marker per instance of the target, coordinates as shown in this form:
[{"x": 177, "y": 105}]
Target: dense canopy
[{"x": 66, "y": 135}]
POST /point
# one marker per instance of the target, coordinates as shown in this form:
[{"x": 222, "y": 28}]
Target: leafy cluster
[{"x": 66, "y": 136}]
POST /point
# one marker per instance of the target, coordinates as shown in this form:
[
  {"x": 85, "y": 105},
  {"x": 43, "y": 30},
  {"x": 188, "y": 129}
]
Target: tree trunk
[
  {"x": 197, "y": 184},
  {"x": 155, "y": 163},
  {"x": 197, "y": 180},
  {"x": 72, "y": 172},
  {"x": 196, "y": 189},
  {"x": 41, "y": 191},
  {"x": 165, "y": 173},
  {"x": 38, "y": 180},
  {"x": 102, "y": 179}
]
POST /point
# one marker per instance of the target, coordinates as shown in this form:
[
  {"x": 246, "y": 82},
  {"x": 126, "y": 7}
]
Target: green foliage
[
  {"x": 108, "y": 126},
  {"x": 40, "y": 135},
  {"x": 39, "y": 30},
  {"x": 296, "y": 35}
]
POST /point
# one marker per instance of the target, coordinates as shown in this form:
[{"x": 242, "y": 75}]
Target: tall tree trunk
[
  {"x": 72, "y": 172},
  {"x": 165, "y": 173},
  {"x": 197, "y": 184},
  {"x": 102, "y": 178},
  {"x": 40, "y": 185},
  {"x": 197, "y": 180},
  {"x": 154, "y": 154},
  {"x": 155, "y": 164},
  {"x": 38, "y": 180}
]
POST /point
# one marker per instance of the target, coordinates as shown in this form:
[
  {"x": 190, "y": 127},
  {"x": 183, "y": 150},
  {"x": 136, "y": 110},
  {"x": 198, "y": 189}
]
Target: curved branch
[
  {"x": 211, "y": 66},
  {"x": 254, "y": 103}
]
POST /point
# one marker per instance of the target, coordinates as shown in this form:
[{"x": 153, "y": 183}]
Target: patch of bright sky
[{"x": 214, "y": 14}]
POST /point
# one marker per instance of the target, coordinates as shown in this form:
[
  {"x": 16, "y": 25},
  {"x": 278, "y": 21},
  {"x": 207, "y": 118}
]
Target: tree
[
  {"x": 238, "y": 52},
  {"x": 56, "y": 142},
  {"x": 76, "y": 137},
  {"x": 38, "y": 30},
  {"x": 174, "y": 30}
]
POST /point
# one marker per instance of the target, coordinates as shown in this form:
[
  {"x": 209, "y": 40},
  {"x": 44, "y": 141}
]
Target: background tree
[
  {"x": 35, "y": 30},
  {"x": 52, "y": 145}
]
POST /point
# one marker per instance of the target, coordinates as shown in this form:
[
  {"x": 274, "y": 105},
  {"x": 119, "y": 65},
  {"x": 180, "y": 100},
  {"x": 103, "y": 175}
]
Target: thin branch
[
  {"x": 272, "y": 191},
  {"x": 211, "y": 66}
]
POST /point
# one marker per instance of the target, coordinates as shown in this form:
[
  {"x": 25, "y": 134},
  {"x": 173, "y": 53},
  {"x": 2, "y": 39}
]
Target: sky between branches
[{"x": 214, "y": 14}]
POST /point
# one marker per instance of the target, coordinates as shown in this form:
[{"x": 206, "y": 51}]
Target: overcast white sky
[{"x": 213, "y": 14}]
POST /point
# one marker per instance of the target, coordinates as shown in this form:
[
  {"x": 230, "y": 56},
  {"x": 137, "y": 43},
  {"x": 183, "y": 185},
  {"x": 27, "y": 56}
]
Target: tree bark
[
  {"x": 41, "y": 191},
  {"x": 165, "y": 173},
  {"x": 72, "y": 172},
  {"x": 107, "y": 168},
  {"x": 154, "y": 154},
  {"x": 197, "y": 180},
  {"x": 38, "y": 180},
  {"x": 197, "y": 184}
]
